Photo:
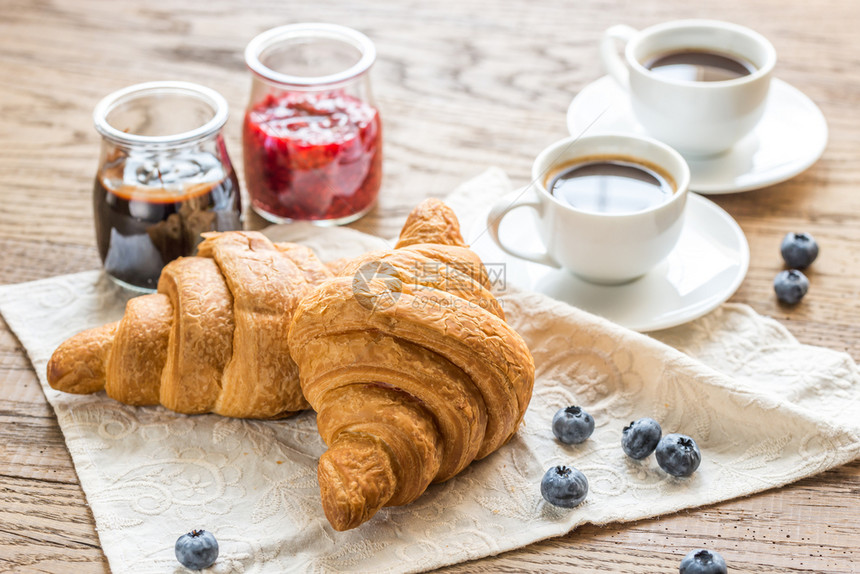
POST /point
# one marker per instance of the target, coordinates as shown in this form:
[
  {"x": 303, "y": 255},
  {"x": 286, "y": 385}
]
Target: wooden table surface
[{"x": 462, "y": 85}]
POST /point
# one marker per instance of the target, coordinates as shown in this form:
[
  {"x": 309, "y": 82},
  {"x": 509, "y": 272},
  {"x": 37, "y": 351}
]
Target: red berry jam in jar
[
  {"x": 313, "y": 156},
  {"x": 164, "y": 178},
  {"x": 312, "y": 137}
]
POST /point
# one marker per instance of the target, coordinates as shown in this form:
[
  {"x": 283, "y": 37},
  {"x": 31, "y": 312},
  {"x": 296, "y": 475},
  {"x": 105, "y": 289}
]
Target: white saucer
[
  {"x": 705, "y": 268},
  {"x": 791, "y": 136}
]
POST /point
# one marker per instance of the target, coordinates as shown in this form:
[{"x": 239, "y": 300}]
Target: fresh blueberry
[
  {"x": 703, "y": 562},
  {"x": 564, "y": 486},
  {"x": 640, "y": 438},
  {"x": 799, "y": 250},
  {"x": 678, "y": 454},
  {"x": 572, "y": 425},
  {"x": 790, "y": 286},
  {"x": 196, "y": 550}
]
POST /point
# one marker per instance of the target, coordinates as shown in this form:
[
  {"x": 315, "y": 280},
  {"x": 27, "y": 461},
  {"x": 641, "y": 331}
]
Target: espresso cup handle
[
  {"x": 612, "y": 61},
  {"x": 494, "y": 220}
]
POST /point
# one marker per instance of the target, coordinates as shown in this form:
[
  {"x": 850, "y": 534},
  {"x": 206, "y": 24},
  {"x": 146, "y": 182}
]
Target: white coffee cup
[
  {"x": 696, "y": 118},
  {"x": 608, "y": 248}
]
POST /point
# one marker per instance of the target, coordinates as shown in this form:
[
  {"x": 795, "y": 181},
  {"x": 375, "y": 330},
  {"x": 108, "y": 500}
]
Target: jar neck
[
  {"x": 310, "y": 57},
  {"x": 169, "y": 170},
  {"x": 160, "y": 116},
  {"x": 211, "y": 142}
]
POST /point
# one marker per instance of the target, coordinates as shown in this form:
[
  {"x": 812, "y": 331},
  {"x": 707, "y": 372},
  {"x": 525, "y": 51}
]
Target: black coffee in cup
[
  {"x": 699, "y": 65},
  {"x": 611, "y": 185}
]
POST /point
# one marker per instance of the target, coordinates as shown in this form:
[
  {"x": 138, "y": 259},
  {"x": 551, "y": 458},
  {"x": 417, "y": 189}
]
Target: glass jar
[
  {"x": 312, "y": 137},
  {"x": 164, "y": 177}
]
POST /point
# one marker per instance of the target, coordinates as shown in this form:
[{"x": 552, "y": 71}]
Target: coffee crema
[
  {"x": 699, "y": 65},
  {"x": 610, "y": 185}
]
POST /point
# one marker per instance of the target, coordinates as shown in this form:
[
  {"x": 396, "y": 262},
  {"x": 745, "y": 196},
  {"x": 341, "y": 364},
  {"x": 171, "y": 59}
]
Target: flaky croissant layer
[
  {"x": 404, "y": 354},
  {"x": 213, "y": 339},
  {"x": 412, "y": 370}
]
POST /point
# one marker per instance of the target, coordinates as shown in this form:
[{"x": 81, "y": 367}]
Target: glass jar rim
[
  {"x": 271, "y": 37},
  {"x": 216, "y": 101}
]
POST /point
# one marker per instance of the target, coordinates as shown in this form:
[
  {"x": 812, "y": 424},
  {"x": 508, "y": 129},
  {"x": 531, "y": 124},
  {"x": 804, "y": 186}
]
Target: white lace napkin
[{"x": 765, "y": 410}]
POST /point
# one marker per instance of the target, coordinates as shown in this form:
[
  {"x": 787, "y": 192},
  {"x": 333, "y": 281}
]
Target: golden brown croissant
[
  {"x": 411, "y": 368},
  {"x": 213, "y": 339}
]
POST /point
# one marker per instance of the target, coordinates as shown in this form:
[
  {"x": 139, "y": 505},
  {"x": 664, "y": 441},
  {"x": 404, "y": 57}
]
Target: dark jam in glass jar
[
  {"x": 164, "y": 178},
  {"x": 140, "y": 229},
  {"x": 313, "y": 156},
  {"x": 312, "y": 136}
]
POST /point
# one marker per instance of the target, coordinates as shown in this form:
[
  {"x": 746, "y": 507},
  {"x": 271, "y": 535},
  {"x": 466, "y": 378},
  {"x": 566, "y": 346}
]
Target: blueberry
[
  {"x": 196, "y": 550},
  {"x": 564, "y": 486},
  {"x": 703, "y": 562},
  {"x": 799, "y": 250},
  {"x": 678, "y": 454},
  {"x": 640, "y": 438},
  {"x": 572, "y": 425},
  {"x": 790, "y": 286}
]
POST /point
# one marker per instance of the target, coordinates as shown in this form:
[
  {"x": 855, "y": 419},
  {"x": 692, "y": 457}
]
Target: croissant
[
  {"x": 411, "y": 367},
  {"x": 212, "y": 339}
]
